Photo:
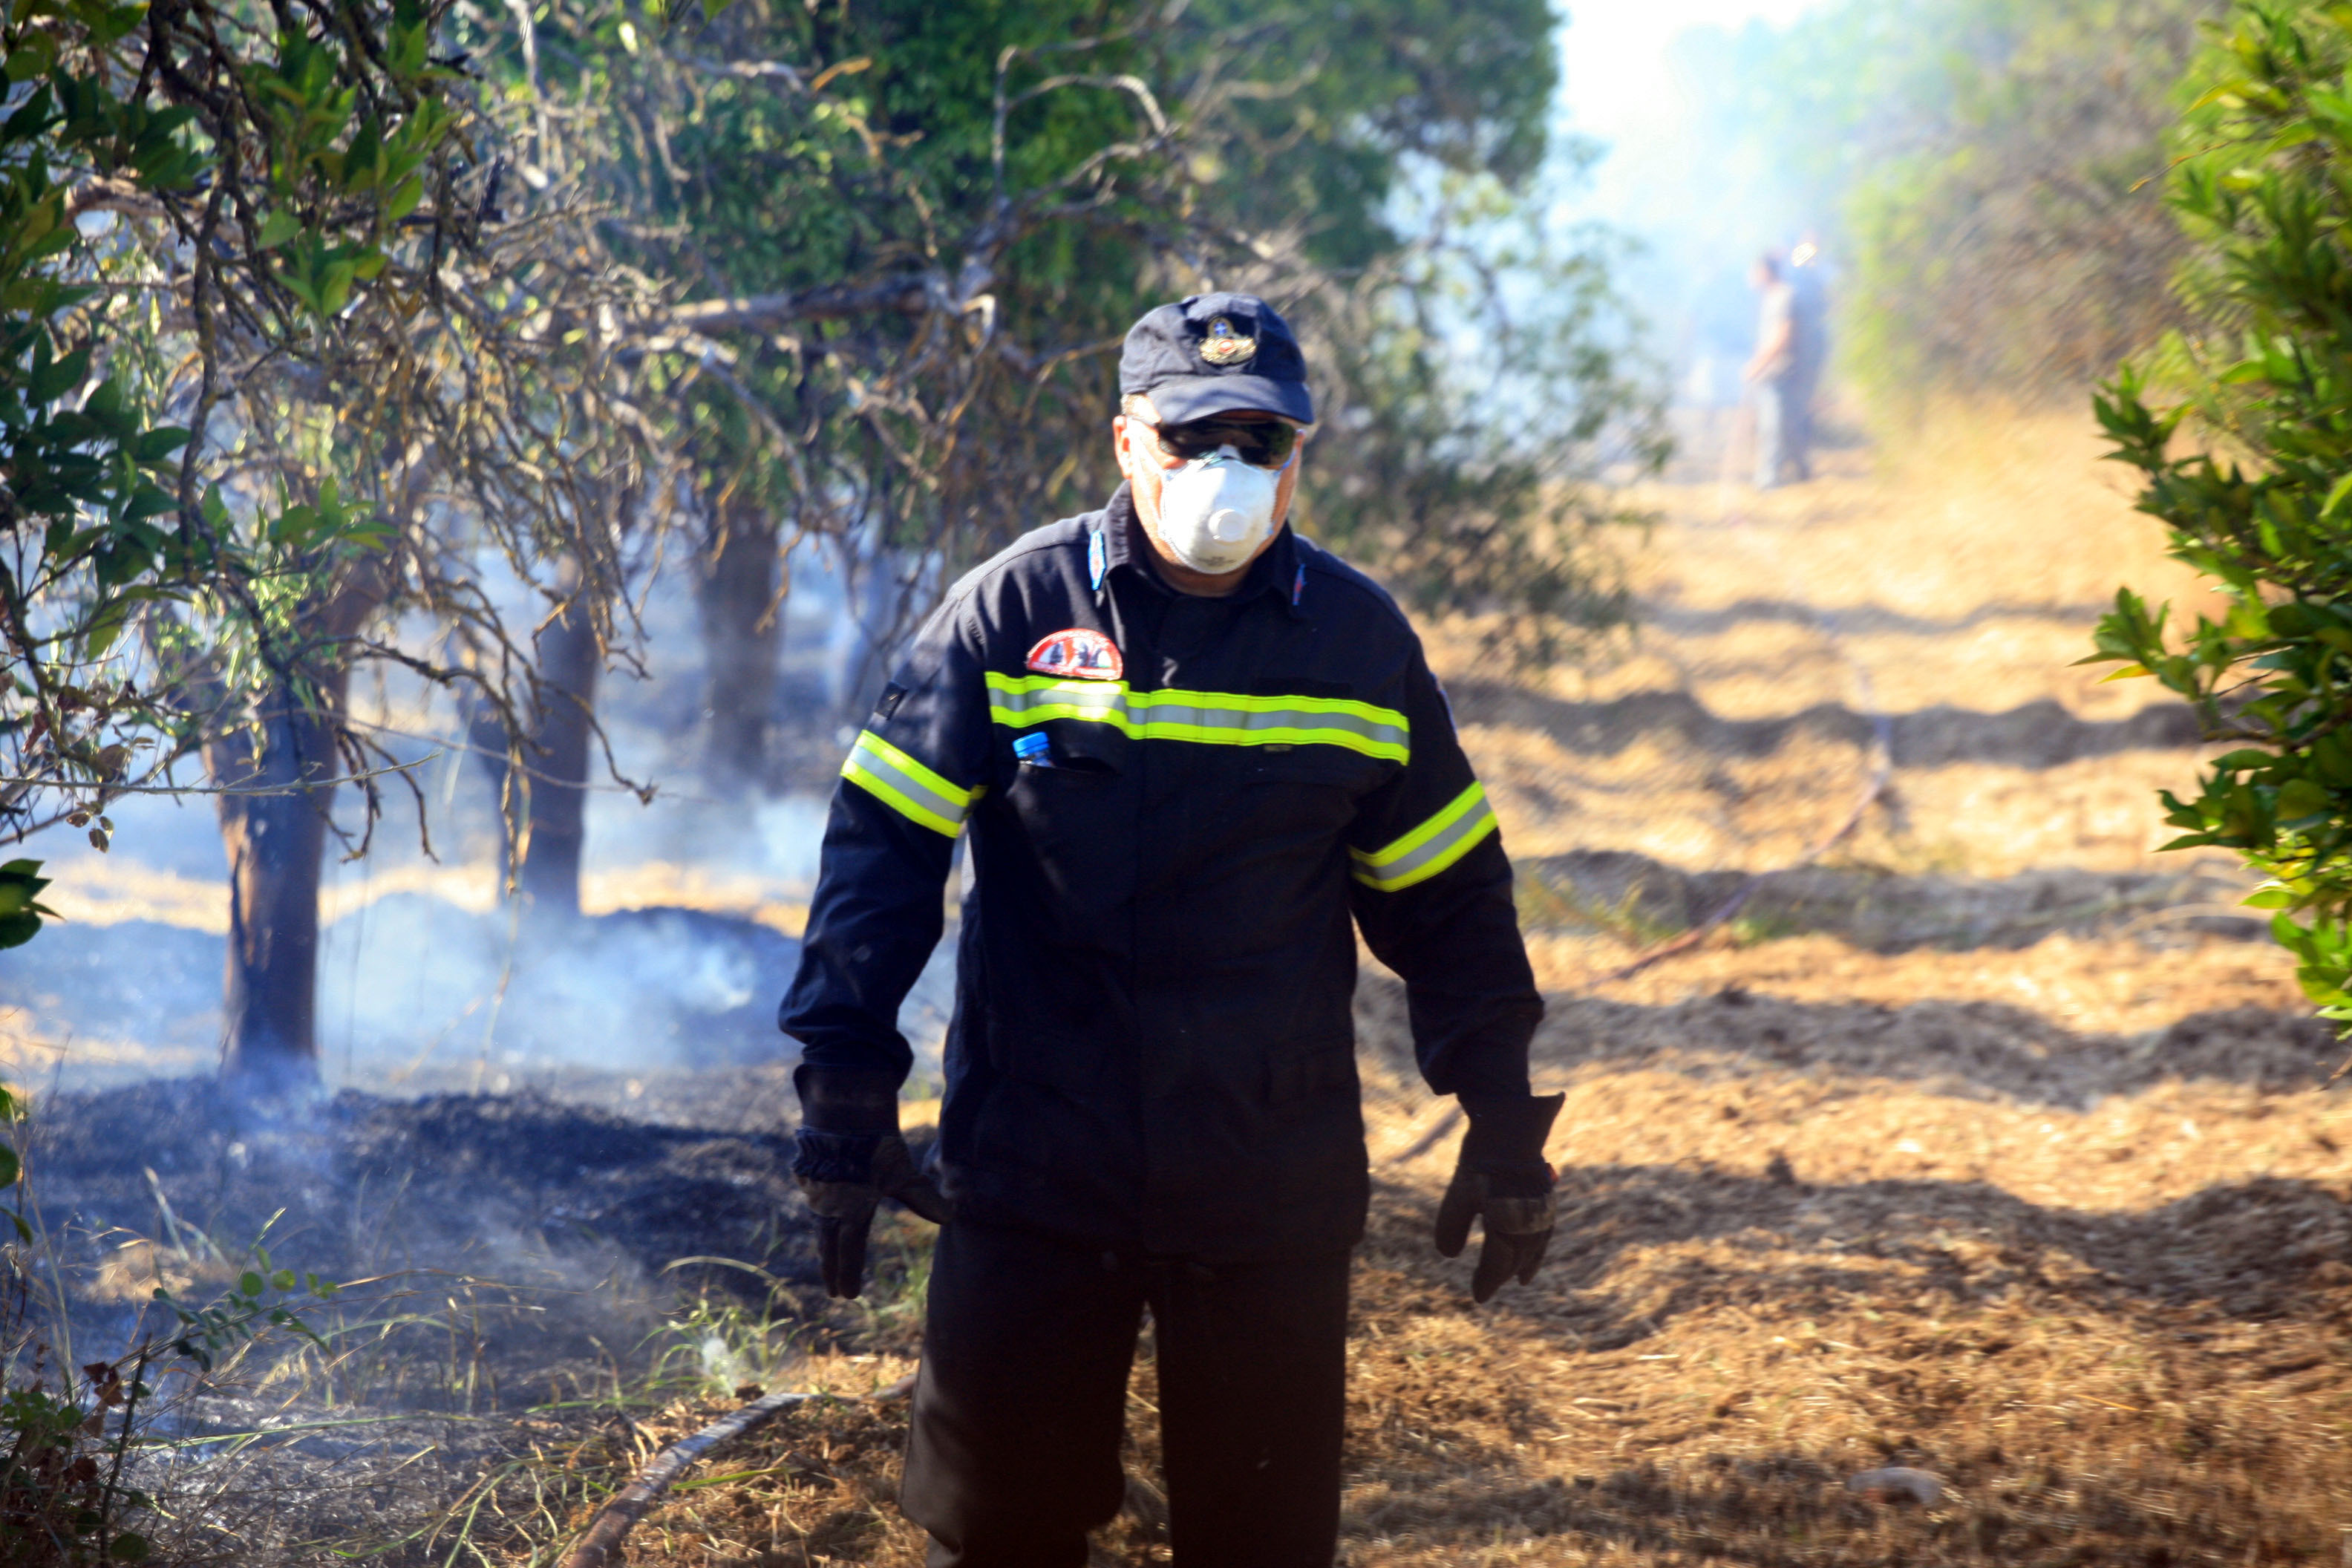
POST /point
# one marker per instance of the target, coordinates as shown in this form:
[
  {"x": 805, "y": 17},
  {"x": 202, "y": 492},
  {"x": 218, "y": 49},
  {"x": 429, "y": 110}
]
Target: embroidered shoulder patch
[{"x": 1077, "y": 653}]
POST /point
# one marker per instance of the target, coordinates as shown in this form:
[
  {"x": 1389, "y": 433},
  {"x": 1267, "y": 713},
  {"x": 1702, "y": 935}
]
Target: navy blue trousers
[{"x": 1022, "y": 1401}]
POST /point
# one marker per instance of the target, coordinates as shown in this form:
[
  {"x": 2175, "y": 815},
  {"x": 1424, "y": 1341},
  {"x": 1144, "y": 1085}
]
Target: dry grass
[
  {"x": 2112, "y": 1323},
  {"x": 2065, "y": 1226}
]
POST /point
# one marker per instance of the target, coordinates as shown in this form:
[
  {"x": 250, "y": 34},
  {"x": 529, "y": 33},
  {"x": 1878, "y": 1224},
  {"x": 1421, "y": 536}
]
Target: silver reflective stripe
[
  {"x": 1033, "y": 703},
  {"x": 906, "y": 785},
  {"x": 1213, "y": 718},
  {"x": 1437, "y": 843}
]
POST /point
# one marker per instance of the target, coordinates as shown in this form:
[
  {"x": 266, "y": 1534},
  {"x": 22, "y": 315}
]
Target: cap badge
[
  {"x": 1079, "y": 652},
  {"x": 1225, "y": 346}
]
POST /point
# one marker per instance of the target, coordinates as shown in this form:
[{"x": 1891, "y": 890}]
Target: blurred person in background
[
  {"x": 1808, "y": 342},
  {"x": 1773, "y": 371},
  {"x": 1195, "y": 754}
]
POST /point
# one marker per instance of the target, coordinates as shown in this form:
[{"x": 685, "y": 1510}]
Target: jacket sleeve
[
  {"x": 1433, "y": 899},
  {"x": 909, "y": 782}
]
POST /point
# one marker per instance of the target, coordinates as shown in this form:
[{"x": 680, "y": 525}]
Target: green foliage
[
  {"x": 276, "y": 367},
  {"x": 84, "y": 471},
  {"x": 108, "y": 519},
  {"x": 11, "y": 1169},
  {"x": 20, "y": 919},
  {"x": 1041, "y": 174},
  {"x": 2248, "y": 470},
  {"x": 265, "y": 1297},
  {"x": 62, "y": 1503}
]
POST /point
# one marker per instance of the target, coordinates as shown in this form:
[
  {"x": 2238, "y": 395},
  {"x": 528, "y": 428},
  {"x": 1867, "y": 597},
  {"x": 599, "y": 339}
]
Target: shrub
[{"x": 2248, "y": 464}]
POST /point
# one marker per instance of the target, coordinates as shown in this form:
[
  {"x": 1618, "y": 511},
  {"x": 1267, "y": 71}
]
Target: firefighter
[{"x": 1192, "y": 755}]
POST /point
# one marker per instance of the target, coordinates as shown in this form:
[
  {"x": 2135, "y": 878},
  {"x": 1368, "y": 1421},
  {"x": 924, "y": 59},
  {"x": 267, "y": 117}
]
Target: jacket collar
[{"x": 1280, "y": 569}]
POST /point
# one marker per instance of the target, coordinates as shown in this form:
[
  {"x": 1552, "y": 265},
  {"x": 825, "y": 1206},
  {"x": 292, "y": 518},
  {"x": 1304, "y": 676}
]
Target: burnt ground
[
  {"x": 359, "y": 1184},
  {"x": 499, "y": 1256}
]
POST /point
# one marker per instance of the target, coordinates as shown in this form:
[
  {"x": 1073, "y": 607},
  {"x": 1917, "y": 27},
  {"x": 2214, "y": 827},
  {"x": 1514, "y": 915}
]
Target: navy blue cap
[{"x": 1215, "y": 353}]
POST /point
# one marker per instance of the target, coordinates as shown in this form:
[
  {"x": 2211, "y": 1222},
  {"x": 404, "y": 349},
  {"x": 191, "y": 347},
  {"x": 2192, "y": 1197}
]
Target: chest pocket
[
  {"x": 1067, "y": 782},
  {"x": 1308, "y": 789}
]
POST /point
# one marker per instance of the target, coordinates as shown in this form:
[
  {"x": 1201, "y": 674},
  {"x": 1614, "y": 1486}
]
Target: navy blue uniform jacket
[{"x": 1180, "y": 810}]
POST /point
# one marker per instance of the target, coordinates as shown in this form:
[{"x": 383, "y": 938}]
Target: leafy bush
[{"x": 2251, "y": 468}]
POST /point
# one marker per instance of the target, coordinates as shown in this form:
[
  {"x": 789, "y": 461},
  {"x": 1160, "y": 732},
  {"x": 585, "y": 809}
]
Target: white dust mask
[{"x": 1214, "y": 511}]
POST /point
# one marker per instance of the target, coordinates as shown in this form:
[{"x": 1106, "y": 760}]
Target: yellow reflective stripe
[
  {"x": 904, "y": 784},
  {"x": 1208, "y": 718},
  {"x": 1430, "y": 848}
]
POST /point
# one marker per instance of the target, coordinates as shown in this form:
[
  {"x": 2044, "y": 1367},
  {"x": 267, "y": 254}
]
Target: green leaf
[
  {"x": 128, "y": 1548},
  {"x": 52, "y": 380},
  {"x": 278, "y": 229},
  {"x": 404, "y": 200},
  {"x": 34, "y": 54},
  {"x": 2301, "y": 799},
  {"x": 106, "y": 624},
  {"x": 160, "y": 443},
  {"x": 249, "y": 1283},
  {"x": 20, "y": 915}
]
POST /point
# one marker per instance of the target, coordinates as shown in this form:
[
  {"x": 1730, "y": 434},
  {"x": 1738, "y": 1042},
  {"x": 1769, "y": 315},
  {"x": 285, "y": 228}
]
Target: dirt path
[
  {"x": 1988, "y": 1148},
  {"x": 1987, "y": 1145}
]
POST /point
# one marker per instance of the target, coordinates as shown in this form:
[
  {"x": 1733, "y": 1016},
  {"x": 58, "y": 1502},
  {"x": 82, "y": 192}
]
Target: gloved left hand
[
  {"x": 1502, "y": 1179},
  {"x": 849, "y": 1157}
]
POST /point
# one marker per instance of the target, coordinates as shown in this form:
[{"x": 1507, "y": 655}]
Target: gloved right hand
[{"x": 849, "y": 1157}]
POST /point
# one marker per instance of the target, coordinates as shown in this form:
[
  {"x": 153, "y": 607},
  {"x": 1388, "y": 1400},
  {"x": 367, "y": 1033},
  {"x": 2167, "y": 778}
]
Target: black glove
[
  {"x": 849, "y": 1158},
  {"x": 1501, "y": 1177}
]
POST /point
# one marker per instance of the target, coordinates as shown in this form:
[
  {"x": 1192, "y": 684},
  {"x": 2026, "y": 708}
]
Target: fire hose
[{"x": 600, "y": 1544}]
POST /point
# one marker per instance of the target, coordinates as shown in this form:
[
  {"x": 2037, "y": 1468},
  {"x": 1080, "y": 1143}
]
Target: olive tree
[{"x": 287, "y": 356}]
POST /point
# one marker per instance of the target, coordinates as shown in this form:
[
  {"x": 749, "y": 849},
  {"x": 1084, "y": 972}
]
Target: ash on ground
[{"x": 509, "y": 1267}]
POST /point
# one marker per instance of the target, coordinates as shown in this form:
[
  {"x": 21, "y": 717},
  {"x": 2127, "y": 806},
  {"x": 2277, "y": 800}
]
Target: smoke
[
  {"x": 638, "y": 990},
  {"x": 426, "y": 981},
  {"x": 1666, "y": 90}
]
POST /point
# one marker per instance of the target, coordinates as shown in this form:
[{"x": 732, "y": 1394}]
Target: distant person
[
  {"x": 1772, "y": 370},
  {"x": 1808, "y": 342}
]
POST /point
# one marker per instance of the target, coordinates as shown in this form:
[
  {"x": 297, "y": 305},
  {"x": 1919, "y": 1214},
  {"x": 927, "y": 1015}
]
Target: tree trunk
[
  {"x": 742, "y": 642},
  {"x": 569, "y": 660},
  {"x": 269, "y": 992},
  {"x": 545, "y": 820},
  {"x": 270, "y": 987}
]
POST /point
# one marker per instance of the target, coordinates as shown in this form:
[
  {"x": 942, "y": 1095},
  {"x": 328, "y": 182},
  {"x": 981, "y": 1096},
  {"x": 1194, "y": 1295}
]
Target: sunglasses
[{"x": 1261, "y": 443}]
